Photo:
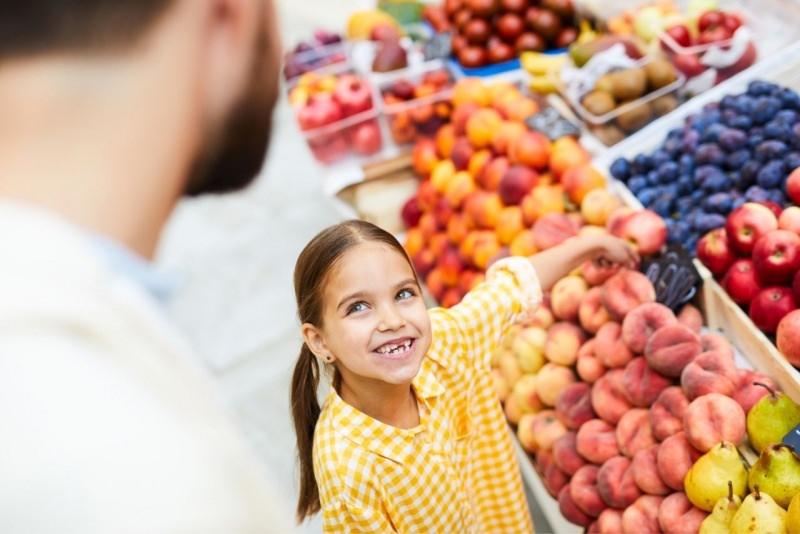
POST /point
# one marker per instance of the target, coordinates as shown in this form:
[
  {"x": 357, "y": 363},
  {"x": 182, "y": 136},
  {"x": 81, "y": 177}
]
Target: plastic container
[
  {"x": 330, "y": 58},
  {"x": 359, "y": 135},
  {"x": 416, "y": 101}
]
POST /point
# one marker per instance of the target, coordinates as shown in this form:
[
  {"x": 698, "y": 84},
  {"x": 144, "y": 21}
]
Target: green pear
[
  {"x": 771, "y": 418},
  {"x": 719, "y": 521},
  {"x": 707, "y": 480},
  {"x": 777, "y": 472},
  {"x": 793, "y": 515},
  {"x": 759, "y": 513}
]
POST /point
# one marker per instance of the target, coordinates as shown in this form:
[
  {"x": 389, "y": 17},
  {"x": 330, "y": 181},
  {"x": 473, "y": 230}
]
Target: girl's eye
[
  {"x": 405, "y": 294},
  {"x": 356, "y": 307}
]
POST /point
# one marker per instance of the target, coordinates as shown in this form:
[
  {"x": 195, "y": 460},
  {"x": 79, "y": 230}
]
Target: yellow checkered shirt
[{"x": 455, "y": 472}]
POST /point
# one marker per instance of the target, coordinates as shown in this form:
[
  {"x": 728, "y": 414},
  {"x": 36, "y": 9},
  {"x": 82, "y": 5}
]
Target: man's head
[{"x": 238, "y": 109}]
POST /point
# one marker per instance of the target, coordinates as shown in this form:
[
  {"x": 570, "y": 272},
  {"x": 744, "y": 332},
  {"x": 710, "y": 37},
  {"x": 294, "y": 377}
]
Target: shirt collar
[{"x": 385, "y": 440}]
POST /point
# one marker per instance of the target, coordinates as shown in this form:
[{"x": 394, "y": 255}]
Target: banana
[
  {"x": 543, "y": 84},
  {"x": 537, "y": 63}
]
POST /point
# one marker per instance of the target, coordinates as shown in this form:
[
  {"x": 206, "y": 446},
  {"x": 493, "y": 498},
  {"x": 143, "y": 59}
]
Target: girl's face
[{"x": 376, "y": 324}]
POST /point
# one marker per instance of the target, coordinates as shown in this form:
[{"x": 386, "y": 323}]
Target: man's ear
[{"x": 315, "y": 341}]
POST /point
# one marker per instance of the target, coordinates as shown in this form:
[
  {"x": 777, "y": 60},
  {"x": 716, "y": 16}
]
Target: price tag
[
  {"x": 552, "y": 124},
  {"x": 438, "y": 46},
  {"x": 792, "y": 439},
  {"x": 674, "y": 277}
]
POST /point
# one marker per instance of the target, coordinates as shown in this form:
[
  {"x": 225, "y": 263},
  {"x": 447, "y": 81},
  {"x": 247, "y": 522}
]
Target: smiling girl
[{"x": 411, "y": 436}]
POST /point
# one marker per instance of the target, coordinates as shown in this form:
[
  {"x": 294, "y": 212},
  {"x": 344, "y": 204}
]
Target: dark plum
[
  {"x": 762, "y": 88},
  {"x": 771, "y": 174},
  {"x": 776, "y": 129},
  {"x": 749, "y": 171},
  {"x": 755, "y": 138},
  {"x": 660, "y": 157},
  {"x": 679, "y": 233},
  {"x": 744, "y": 104},
  {"x": 716, "y": 184},
  {"x": 664, "y": 205},
  {"x": 732, "y": 139},
  {"x": 709, "y": 153},
  {"x": 685, "y": 184},
  {"x": 791, "y": 160},
  {"x": 690, "y": 141},
  {"x": 787, "y": 116},
  {"x": 737, "y": 159},
  {"x": 708, "y": 221},
  {"x": 621, "y": 169},
  {"x": 777, "y": 196},
  {"x": 756, "y": 193},
  {"x": 641, "y": 164},
  {"x": 770, "y": 149},
  {"x": 789, "y": 98},
  {"x": 701, "y": 121},
  {"x": 652, "y": 178},
  {"x": 738, "y": 201},
  {"x": 727, "y": 102},
  {"x": 765, "y": 109},
  {"x": 646, "y": 196},
  {"x": 684, "y": 205},
  {"x": 718, "y": 203},
  {"x": 673, "y": 146},
  {"x": 636, "y": 183},
  {"x": 704, "y": 172},
  {"x": 741, "y": 122},
  {"x": 686, "y": 164},
  {"x": 667, "y": 172},
  {"x": 712, "y": 133},
  {"x": 711, "y": 106}
]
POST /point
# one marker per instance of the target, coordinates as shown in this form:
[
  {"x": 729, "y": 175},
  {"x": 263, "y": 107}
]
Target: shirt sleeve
[
  {"x": 341, "y": 517},
  {"x": 473, "y": 328}
]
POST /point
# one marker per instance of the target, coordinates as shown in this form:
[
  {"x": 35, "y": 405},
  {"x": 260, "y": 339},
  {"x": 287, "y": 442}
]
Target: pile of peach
[
  {"x": 488, "y": 182},
  {"x": 615, "y": 396}
]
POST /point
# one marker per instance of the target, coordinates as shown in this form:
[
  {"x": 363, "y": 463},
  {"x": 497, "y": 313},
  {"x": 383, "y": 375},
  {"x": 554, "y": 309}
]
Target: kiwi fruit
[
  {"x": 628, "y": 84},
  {"x": 604, "y": 83},
  {"x": 634, "y": 118},
  {"x": 664, "y": 104},
  {"x": 609, "y": 134},
  {"x": 660, "y": 73},
  {"x": 598, "y": 102}
]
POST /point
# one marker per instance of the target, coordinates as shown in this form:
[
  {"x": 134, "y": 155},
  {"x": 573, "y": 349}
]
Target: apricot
[
  {"x": 482, "y": 126},
  {"x": 506, "y": 134},
  {"x": 523, "y": 244},
  {"x": 472, "y": 90},
  {"x": 581, "y": 179},
  {"x": 445, "y": 139},
  {"x": 542, "y": 200},
  {"x": 509, "y": 224},
  {"x": 532, "y": 149}
]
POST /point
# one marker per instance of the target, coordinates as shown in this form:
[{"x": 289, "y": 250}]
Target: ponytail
[{"x": 305, "y": 413}]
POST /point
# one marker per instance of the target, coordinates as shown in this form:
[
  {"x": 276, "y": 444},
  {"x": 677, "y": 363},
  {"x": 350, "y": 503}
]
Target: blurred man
[{"x": 110, "y": 112}]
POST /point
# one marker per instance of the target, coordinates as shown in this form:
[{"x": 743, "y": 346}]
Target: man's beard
[{"x": 232, "y": 156}]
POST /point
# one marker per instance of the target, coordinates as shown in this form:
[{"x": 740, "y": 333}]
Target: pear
[
  {"x": 793, "y": 515},
  {"x": 707, "y": 480},
  {"x": 771, "y": 418},
  {"x": 719, "y": 521},
  {"x": 777, "y": 472},
  {"x": 759, "y": 513}
]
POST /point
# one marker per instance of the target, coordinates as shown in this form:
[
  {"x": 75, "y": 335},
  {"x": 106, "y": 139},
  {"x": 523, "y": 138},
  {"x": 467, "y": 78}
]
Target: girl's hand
[{"x": 613, "y": 251}]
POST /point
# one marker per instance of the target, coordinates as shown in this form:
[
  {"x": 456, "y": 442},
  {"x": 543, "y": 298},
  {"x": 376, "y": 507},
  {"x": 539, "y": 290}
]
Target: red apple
[
  {"x": 709, "y": 19},
  {"x": 483, "y": 8},
  {"x": 715, "y": 252},
  {"x": 714, "y": 34},
  {"x": 789, "y": 219},
  {"x": 747, "y": 223},
  {"x": 774, "y": 207},
  {"x": 543, "y": 22},
  {"x": 770, "y": 306},
  {"x": 510, "y": 26},
  {"x": 411, "y": 212},
  {"x": 353, "y": 94},
  {"x": 747, "y": 58},
  {"x": 796, "y": 288},
  {"x": 688, "y": 64},
  {"x": 680, "y": 34},
  {"x": 741, "y": 282},
  {"x": 776, "y": 257},
  {"x": 646, "y": 231},
  {"x": 787, "y": 337},
  {"x": 731, "y": 21},
  {"x": 320, "y": 110},
  {"x": 365, "y": 138},
  {"x": 793, "y": 186}
]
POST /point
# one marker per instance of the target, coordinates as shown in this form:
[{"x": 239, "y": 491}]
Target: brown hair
[
  {"x": 33, "y": 27},
  {"x": 311, "y": 271}
]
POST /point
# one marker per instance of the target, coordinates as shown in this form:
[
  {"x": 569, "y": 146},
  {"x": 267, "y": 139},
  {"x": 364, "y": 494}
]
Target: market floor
[{"x": 232, "y": 259}]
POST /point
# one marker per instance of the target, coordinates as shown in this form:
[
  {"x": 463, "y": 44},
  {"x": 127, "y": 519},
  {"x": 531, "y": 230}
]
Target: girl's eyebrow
[{"x": 361, "y": 294}]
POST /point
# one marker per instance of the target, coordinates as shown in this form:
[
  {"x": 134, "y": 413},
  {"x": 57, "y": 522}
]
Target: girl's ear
[{"x": 315, "y": 341}]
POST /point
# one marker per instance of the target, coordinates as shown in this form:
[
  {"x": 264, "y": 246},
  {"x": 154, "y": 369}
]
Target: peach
[
  {"x": 461, "y": 154},
  {"x": 610, "y": 349},
  {"x": 554, "y": 479},
  {"x": 541, "y": 200},
  {"x": 501, "y": 387},
  {"x": 518, "y": 109},
  {"x": 482, "y": 208},
  {"x": 512, "y": 410},
  {"x": 641, "y": 517},
  {"x": 584, "y": 492},
  {"x": 552, "y": 379},
  {"x": 645, "y": 472},
  {"x": 674, "y": 458},
  {"x": 424, "y": 157},
  {"x": 570, "y": 510},
  {"x": 642, "y": 322},
  {"x": 747, "y": 394},
  {"x": 543, "y": 316},
  {"x": 691, "y": 317},
  {"x": 523, "y": 244},
  {"x": 460, "y": 186},
  {"x": 490, "y": 175},
  {"x": 553, "y": 229},
  {"x": 538, "y": 431},
  {"x": 524, "y": 391},
  {"x": 414, "y": 241},
  {"x": 588, "y": 366},
  {"x": 506, "y": 134},
  {"x": 710, "y": 371},
  {"x": 423, "y": 261},
  {"x": 517, "y": 182},
  {"x": 625, "y": 291},
  {"x": 443, "y": 210},
  {"x": 581, "y": 179},
  {"x": 642, "y": 383},
  {"x": 479, "y": 161},
  {"x": 501, "y": 90},
  {"x": 666, "y": 413},
  {"x": 609, "y": 521},
  {"x": 562, "y": 344},
  {"x": 435, "y": 284},
  {"x": 509, "y": 224},
  {"x": 574, "y": 405},
  {"x": 716, "y": 341},
  {"x": 646, "y": 231},
  {"x": 445, "y": 139},
  {"x": 450, "y": 297},
  {"x": 597, "y": 205},
  {"x": 469, "y": 279},
  {"x": 528, "y": 345},
  {"x": 634, "y": 433},
  {"x": 712, "y": 418},
  {"x": 459, "y": 117},
  {"x": 565, "y": 453},
  {"x": 591, "y": 230},
  {"x": 487, "y": 248},
  {"x": 596, "y": 441},
  {"x": 616, "y": 219},
  {"x": 789, "y": 219},
  {"x": 596, "y": 275},
  {"x": 427, "y": 196},
  {"x": 457, "y": 229},
  {"x": 608, "y": 396},
  {"x": 671, "y": 348},
  {"x": 678, "y": 515},
  {"x": 482, "y": 126},
  {"x": 592, "y": 315},
  {"x": 450, "y": 264},
  {"x": 566, "y": 295},
  {"x": 441, "y": 174},
  {"x": 565, "y": 154},
  {"x": 471, "y": 90},
  {"x": 531, "y": 148},
  {"x": 615, "y": 483},
  {"x": 509, "y": 367}
]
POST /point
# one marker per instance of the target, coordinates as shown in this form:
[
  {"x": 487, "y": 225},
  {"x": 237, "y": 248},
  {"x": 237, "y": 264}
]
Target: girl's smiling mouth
[{"x": 396, "y": 349}]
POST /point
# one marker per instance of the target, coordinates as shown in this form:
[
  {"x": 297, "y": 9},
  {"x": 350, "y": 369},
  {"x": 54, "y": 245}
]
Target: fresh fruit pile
[
  {"x": 323, "y": 50},
  {"x": 632, "y": 414},
  {"x": 330, "y": 115},
  {"x": 417, "y": 107},
  {"x": 739, "y": 149},
  {"x": 495, "y": 31}
]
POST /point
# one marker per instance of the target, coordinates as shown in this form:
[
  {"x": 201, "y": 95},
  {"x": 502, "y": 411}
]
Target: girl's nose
[{"x": 391, "y": 319}]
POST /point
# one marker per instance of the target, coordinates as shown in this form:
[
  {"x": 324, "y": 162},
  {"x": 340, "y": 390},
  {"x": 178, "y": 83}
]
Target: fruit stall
[{"x": 663, "y": 399}]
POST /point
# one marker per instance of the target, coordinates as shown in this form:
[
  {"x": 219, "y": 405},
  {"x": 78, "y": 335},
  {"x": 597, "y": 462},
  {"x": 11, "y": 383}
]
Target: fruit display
[
  {"x": 623, "y": 100},
  {"x": 372, "y": 24},
  {"x": 488, "y": 32},
  {"x": 739, "y": 149},
  {"x": 324, "y": 50},
  {"x": 638, "y": 419},
  {"x": 337, "y": 116},
  {"x": 417, "y": 102}
]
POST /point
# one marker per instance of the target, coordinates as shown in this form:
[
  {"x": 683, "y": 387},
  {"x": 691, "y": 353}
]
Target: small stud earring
[{"x": 328, "y": 357}]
